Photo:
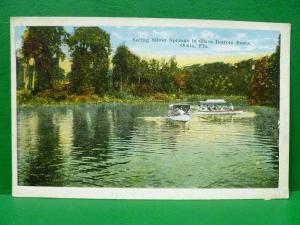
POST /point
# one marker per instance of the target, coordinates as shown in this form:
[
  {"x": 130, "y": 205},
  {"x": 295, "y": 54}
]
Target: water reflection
[
  {"x": 90, "y": 150},
  {"x": 45, "y": 161},
  {"x": 124, "y": 120},
  {"x": 123, "y": 145},
  {"x": 267, "y": 127}
]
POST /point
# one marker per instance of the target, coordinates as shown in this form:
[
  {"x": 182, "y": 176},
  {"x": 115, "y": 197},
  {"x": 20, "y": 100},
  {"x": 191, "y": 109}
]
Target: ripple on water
[{"x": 137, "y": 146}]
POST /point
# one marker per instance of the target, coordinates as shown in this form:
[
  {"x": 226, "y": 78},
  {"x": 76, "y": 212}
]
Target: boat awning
[{"x": 213, "y": 101}]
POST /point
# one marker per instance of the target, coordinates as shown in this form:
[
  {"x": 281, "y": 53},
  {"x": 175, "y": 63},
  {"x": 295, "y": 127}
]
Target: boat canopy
[
  {"x": 180, "y": 106},
  {"x": 212, "y": 101}
]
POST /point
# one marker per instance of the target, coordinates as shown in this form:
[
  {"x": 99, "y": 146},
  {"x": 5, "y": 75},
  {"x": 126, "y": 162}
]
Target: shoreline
[{"x": 157, "y": 98}]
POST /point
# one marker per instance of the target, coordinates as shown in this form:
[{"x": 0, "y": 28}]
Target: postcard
[{"x": 141, "y": 108}]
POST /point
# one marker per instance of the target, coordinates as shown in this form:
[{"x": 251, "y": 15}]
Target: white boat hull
[
  {"x": 234, "y": 112},
  {"x": 181, "y": 118}
]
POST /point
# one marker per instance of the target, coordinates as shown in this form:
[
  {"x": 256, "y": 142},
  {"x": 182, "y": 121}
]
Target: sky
[{"x": 201, "y": 45}]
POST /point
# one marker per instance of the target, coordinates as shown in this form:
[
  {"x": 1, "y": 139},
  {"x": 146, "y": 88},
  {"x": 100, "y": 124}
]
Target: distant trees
[
  {"x": 264, "y": 84},
  {"x": 142, "y": 77},
  {"x": 213, "y": 78},
  {"x": 95, "y": 71},
  {"x": 242, "y": 73},
  {"x": 259, "y": 83},
  {"x": 274, "y": 76}
]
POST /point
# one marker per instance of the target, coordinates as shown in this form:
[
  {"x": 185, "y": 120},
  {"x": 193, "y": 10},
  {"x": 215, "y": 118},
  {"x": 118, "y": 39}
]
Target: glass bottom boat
[
  {"x": 179, "y": 112},
  {"x": 216, "y": 107}
]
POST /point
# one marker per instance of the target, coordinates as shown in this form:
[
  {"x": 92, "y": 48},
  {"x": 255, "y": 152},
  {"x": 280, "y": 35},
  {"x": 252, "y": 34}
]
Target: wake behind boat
[
  {"x": 216, "y": 107},
  {"x": 179, "y": 112}
]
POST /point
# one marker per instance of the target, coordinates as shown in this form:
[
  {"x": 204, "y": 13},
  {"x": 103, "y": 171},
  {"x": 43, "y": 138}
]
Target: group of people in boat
[
  {"x": 212, "y": 107},
  {"x": 181, "y": 112}
]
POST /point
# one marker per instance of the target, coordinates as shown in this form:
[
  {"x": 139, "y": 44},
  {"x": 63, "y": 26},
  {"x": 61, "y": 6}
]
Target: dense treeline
[{"x": 95, "y": 71}]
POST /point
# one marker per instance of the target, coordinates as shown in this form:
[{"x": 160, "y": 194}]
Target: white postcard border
[{"x": 161, "y": 193}]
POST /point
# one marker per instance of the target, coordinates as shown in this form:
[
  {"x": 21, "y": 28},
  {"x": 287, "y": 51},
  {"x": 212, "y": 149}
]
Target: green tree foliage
[
  {"x": 180, "y": 80},
  {"x": 149, "y": 74},
  {"x": 213, "y": 78},
  {"x": 274, "y": 75},
  {"x": 130, "y": 73},
  {"x": 125, "y": 68},
  {"x": 259, "y": 83},
  {"x": 41, "y": 50},
  {"x": 264, "y": 84},
  {"x": 143, "y": 85},
  {"x": 167, "y": 75},
  {"x": 256, "y": 79},
  {"x": 90, "y": 49},
  {"x": 38, "y": 70},
  {"x": 20, "y": 63},
  {"x": 154, "y": 73},
  {"x": 241, "y": 76}
]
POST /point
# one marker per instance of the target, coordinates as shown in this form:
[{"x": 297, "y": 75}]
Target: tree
[
  {"x": 242, "y": 73},
  {"x": 41, "y": 50},
  {"x": 125, "y": 68},
  {"x": 195, "y": 79},
  {"x": 21, "y": 79},
  {"x": 212, "y": 78},
  {"x": 143, "y": 84},
  {"x": 90, "y": 49},
  {"x": 168, "y": 71},
  {"x": 154, "y": 73},
  {"x": 274, "y": 75},
  {"x": 181, "y": 80},
  {"x": 259, "y": 83}
]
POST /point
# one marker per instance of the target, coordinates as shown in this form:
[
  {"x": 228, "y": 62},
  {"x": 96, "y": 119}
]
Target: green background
[{"x": 70, "y": 211}]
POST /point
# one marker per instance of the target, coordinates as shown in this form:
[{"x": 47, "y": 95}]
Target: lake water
[{"x": 128, "y": 145}]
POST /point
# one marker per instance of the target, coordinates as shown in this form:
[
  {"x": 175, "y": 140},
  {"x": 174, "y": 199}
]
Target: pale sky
[{"x": 210, "y": 44}]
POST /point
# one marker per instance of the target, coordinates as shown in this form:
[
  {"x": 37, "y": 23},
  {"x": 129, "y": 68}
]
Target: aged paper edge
[{"x": 161, "y": 193}]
